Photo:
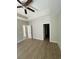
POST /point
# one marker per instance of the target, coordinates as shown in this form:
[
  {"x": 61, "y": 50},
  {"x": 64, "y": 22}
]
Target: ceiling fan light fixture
[{"x": 23, "y": 1}]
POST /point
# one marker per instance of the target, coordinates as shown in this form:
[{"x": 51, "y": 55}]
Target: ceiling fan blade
[
  {"x": 30, "y": 9},
  {"x": 19, "y": 1},
  {"x": 33, "y": 7},
  {"x": 19, "y": 7},
  {"x": 25, "y": 11},
  {"x": 27, "y": 2}
]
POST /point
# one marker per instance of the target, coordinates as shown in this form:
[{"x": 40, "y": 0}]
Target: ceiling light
[{"x": 23, "y": 1}]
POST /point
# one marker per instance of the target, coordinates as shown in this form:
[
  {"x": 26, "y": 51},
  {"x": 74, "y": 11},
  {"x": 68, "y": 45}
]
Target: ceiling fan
[{"x": 24, "y": 4}]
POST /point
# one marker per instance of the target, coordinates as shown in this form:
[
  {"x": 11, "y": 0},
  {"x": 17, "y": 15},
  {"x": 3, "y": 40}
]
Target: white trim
[
  {"x": 37, "y": 39},
  {"x": 20, "y": 40},
  {"x": 50, "y": 30},
  {"x": 20, "y": 18},
  {"x": 54, "y": 41}
]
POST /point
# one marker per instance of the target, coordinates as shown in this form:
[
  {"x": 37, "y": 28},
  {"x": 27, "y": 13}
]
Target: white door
[
  {"x": 29, "y": 32},
  {"x": 24, "y": 31}
]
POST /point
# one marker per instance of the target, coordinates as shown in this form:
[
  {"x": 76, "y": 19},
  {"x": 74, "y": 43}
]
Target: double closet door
[{"x": 27, "y": 31}]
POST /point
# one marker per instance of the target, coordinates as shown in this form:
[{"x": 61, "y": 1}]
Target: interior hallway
[{"x": 37, "y": 49}]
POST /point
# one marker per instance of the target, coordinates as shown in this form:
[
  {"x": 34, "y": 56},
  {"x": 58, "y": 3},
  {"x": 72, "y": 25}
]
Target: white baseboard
[
  {"x": 54, "y": 41},
  {"x": 57, "y": 43},
  {"x": 23, "y": 39},
  {"x": 20, "y": 40}
]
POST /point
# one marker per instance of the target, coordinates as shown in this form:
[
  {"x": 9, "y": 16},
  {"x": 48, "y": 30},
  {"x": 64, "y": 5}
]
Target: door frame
[{"x": 49, "y": 31}]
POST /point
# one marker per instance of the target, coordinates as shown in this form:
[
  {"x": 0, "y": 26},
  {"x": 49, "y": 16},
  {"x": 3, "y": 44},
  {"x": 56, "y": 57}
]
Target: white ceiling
[{"x": 53, "y": 6}]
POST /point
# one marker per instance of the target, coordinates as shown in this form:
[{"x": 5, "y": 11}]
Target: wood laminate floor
[{"x": 37, "y": 49}]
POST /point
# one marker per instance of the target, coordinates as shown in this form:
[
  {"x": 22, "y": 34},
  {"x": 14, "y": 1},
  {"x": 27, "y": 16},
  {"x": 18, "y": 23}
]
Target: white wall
[
  {"x": 59, "y": 30},
  {"x": 20, "y": 34},
  {"x": 37, "y": 26},
  {"x": 56, "y": 29},
  {"x": 54, "y": 19}
]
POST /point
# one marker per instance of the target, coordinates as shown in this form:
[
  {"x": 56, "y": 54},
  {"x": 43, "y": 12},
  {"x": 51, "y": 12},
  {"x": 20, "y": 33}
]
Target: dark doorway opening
[{"x": 46, "y": 32}]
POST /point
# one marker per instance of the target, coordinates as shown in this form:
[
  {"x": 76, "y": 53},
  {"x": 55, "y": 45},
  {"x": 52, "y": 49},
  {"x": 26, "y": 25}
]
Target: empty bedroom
[{"x": 38, "y": 29}]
